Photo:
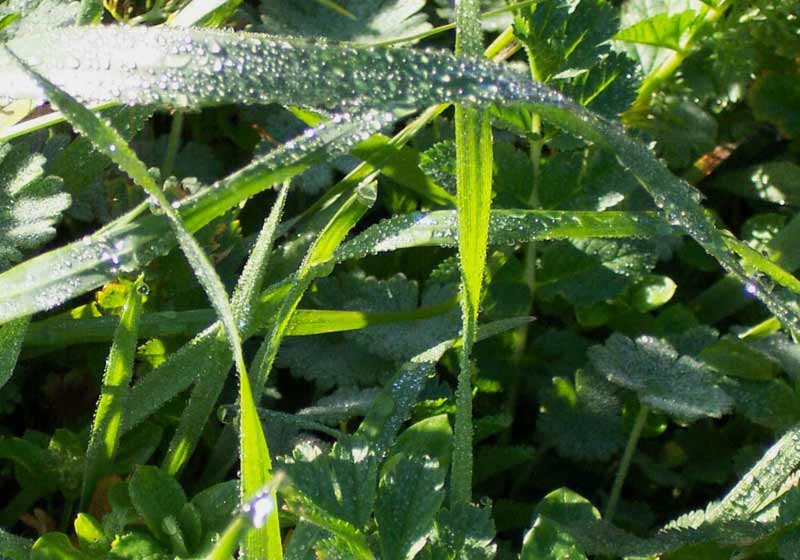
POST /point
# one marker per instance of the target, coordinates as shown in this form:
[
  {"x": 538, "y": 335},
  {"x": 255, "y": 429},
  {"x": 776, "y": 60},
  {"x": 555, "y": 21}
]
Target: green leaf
[
  {"x": 343, "y": 483},
  {"x": 430, "y": 437},
  {"x": 32, "y": 202},
  {"x": 663, "y": 30},
  {"x": 369, "y": 22},
  {"x": 676, "y": 385},
  {"x": 546, "y": 540},
  {"x": 757, "y": 486},
  {"x": 592, "y": 271},
  {"x": 582, "y": 421},
  {"x": 12, "y": 334},
  {"x": 137, "y": 545},
  {"x": 772, "y": 98},
  {"x": 14, "y": 547},
  {"x": 466, "y": 531},
  {"x": 411, "y": 493},
  {"x": 660, "y": 21},
  {"x": 772, "y": 181},
  {"x": 107, "y": 425},
  {"x": 56, "y": 546},
  {"x": 157, "y": 498}
]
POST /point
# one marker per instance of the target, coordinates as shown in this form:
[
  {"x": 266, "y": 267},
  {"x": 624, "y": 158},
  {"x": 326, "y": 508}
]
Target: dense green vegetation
[{"x": 399, "y": 279}]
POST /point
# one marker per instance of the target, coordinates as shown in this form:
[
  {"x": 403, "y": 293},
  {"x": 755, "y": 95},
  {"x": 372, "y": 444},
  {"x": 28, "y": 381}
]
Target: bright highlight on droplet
[
  {"x": 259, "y": 508},
  {"x": 751, "y": 288}
]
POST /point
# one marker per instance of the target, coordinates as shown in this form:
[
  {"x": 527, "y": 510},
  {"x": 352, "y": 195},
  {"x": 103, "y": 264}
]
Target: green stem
[
  {"x": 625, "y": 464},
  {"x": 173, "y": 143},
  {"x": 671, "y": 65}
]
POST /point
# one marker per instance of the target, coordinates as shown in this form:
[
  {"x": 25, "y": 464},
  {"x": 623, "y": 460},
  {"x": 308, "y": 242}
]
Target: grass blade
[
  {"x": 208, "y": 387},
  {"x": 474, "y": 196},
  {"x": 107, "y": 426},
  {"x": 262, "y": 543}
]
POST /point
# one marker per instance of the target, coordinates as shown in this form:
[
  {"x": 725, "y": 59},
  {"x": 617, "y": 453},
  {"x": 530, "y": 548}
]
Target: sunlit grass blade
[
  {"x": 474, "y": 199},
  {"x": 244, "y": 304},
  {"x": 107, "y": 425},
  {"x": 134, "y": 239},
  {"x": 11, "y": 336},
  {"x": 262, "y": 543},
  {"x": 320, "y": 251},
  {"x": 762, "y": 482}
]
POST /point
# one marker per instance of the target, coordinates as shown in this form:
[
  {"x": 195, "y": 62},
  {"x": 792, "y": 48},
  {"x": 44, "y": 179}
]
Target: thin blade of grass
[
  {"x": 107, "y": 425},
  {"x": 262, "y": 543},
  {"x": 244, "y": 303},
  {"x": 316, "y": 263},
  {"x": 474, "y": 197}
]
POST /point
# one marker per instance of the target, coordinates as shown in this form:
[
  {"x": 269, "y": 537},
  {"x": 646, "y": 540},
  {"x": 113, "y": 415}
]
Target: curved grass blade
[
  {"x": 320, "y": 251},
  {"x": 261, "y": 543},
  {"x": 244, "y": 303},
  {"x": 107, "y": 425},
  {"x": 134, "y": 239},
  {"x": 316, "y": 263},
  {"x": 254, "y": 69},
  {"x": 205, "y": 355}
]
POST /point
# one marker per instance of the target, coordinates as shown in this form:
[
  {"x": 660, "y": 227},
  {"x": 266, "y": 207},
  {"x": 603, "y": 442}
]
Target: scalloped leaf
[
  {"x": 31, "y": 202},
  {"x": 676, "y": 385}
]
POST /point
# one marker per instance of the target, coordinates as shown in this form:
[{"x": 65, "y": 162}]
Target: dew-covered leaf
[
  {"x": 465, "y": 531},
  {"x": 36, "y": 16},
  {"x": 677, "y": 385},
  {"x": 583, "y": 420},
  {"x": 31, "y": 202},
  {"x": 156, "y": 496},
  {"x": 343, "y": 482},
  {"x": 587, "y": 272},
  {"x": 409, "y": 497},
  {"x": 567, "y": 44},
  {"x": 370, "y": 21}
]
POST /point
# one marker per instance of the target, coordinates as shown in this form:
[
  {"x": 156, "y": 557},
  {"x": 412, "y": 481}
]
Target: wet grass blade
[
  {"x": 244, "y": 304},
  {"x": 262, "y": 543},
  {"x": 474, "y": 199},
  {"x": 107, "y": 425}
]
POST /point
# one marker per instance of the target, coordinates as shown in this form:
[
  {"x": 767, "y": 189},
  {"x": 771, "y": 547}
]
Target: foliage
[{"x": 484, "y": 301}]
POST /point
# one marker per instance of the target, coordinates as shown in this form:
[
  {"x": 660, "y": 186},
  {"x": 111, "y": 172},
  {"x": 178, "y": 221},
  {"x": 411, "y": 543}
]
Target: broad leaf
[{"x": 677, "y": 385}]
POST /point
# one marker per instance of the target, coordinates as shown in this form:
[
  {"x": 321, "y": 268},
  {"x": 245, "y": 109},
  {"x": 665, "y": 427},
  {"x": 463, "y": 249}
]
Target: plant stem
[
  {"x": 625, "y": 464},
  {"x": 671, "y": 65},
  {"x": 173, "y": 143}
]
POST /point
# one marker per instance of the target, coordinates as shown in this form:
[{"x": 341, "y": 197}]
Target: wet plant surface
[{"x": 399, "y": 279}]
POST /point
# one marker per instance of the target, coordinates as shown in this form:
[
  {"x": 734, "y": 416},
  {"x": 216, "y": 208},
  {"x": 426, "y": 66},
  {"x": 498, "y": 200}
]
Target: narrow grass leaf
[
  {"x": 244, "y": 304},
  {"x": 763, "y": 482},
  {"x": 107, "y": 425},
  {"x": 136, "y": 238},
  {"x": 320, "y": 251},
  {"x": 262, "y": 543},
  {"x": 474, "y": 198}
]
